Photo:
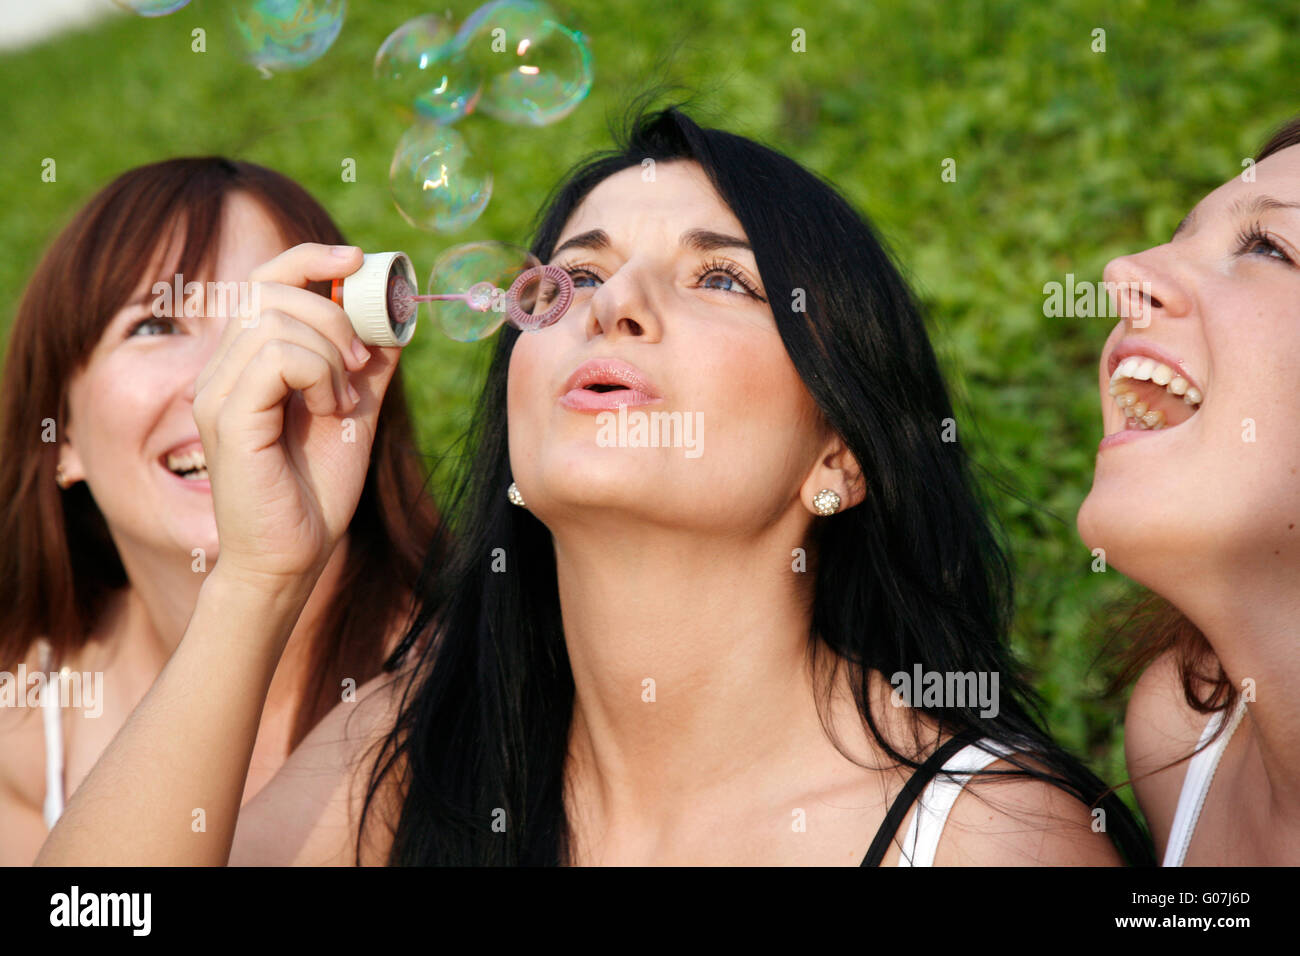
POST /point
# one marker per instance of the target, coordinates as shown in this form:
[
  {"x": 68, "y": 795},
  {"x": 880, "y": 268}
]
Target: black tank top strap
[{"x": 911, "y": 790}]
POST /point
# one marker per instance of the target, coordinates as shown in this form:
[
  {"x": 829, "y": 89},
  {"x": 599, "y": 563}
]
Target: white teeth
[
  {"x": 1137, "y": 368},
  {"x": 1125, "y": 368}
]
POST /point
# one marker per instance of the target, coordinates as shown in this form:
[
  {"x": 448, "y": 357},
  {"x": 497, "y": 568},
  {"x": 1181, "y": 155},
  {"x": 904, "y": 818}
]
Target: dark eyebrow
[
  {"x": 594, "y": 239},
  {"x": 702, "y": 240}
]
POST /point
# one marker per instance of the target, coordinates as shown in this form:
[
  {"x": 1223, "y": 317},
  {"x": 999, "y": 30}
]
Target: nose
[
  {"x": 1145, "y": 285},
  {"x": 623, "y": 305}
]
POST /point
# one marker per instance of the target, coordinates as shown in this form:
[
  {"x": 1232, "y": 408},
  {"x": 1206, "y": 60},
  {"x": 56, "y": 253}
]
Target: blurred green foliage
[{"x": 1065, "y": 158}]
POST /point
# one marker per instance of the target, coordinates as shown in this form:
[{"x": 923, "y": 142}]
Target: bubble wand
[{"x": 381, "y": 298}]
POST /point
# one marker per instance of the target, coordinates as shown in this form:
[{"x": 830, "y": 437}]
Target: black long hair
[{"x": 912, "y": 575}]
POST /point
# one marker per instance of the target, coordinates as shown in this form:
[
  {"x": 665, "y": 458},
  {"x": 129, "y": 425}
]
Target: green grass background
[{"x": 1065, "y": 158}]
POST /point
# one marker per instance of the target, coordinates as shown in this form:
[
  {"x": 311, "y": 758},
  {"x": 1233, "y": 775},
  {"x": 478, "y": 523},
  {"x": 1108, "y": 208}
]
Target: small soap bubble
[
  {"x": 535, "y": 70},
  {"x": 152, "y": 8},
  {"x": 279, "y": 35},
  {"x": 420, "y": 65},
  {"x": 437, "y": 183},
  {"x": 481, "y": 285}
]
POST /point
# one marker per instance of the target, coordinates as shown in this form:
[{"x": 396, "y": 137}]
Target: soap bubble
[
  {"x": 437, "y": 183},
  {"x": 152, "y": 8},
  {"x": 535, "y": 70},
  {"x": 287, "y": 34},
  {"x": 493, "y": 282},
  {"x": 420, "y": 65}
]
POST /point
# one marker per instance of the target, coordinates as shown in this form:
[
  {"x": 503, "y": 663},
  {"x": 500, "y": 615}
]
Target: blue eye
[
  {"x": 147, "y": 326},
  {"x": 1255, "y": 241},
  {"x": 580, "y": 278},
  {"x": 729, "y": 279}
]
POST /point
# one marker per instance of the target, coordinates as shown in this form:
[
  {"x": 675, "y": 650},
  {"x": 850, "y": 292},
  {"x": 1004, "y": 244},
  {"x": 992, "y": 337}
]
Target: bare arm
[{"x": 182, "y": 757}]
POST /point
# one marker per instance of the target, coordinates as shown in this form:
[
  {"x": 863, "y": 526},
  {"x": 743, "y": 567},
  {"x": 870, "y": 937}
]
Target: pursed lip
[{"x": 634, "y": 388}]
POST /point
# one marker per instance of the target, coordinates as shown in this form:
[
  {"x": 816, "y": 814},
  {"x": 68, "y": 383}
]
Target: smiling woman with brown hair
[
  {"x": 1196, "y": 495},
  {"x": 107, "y": 531}
]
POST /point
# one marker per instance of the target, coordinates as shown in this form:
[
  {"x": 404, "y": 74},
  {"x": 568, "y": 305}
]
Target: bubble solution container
[{"x": 379, "y": 299}]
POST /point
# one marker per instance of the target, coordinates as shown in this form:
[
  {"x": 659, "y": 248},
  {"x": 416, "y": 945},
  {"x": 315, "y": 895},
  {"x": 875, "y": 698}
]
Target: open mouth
[
  {"x": 1153, "y": 395},
  {"x": 606, "y": 384},
  {"x": 191, "y": 466}
]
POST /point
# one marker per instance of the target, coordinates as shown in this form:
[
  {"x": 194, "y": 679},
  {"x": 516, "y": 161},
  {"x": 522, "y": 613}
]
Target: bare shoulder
[
  {"x": 1021, "y": 821},
  {"x": 1160, "y": 728},
  {"x": 310, "y": 813}
]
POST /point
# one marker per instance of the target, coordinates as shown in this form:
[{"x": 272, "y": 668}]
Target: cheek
[
  {"x": 113, "y": 408},
  {"x": 533, "y": 363},
  {"x": 761, "y": 410}
]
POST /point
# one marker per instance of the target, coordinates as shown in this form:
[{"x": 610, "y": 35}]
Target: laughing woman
[
  {"x": 108, "y": 531},
  {"x": 635, "y": 655},
  {"x": 1200, "y": 502}
]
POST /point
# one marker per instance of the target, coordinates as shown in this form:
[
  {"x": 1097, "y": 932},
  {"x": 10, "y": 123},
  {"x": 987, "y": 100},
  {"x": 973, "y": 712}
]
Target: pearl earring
[
  {"x": 515, "y": 497},
  {"x": 60, "y": 478},
  {"x": 826, "y": 502}
]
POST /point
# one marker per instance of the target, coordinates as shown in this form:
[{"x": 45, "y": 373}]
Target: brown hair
[
  {"x": 58, "y": 564},
  {"x": 1155, "y": 627}
]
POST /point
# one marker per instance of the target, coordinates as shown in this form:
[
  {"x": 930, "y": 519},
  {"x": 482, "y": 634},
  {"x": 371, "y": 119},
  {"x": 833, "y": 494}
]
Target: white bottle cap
[{"x": 365, "y": 299}]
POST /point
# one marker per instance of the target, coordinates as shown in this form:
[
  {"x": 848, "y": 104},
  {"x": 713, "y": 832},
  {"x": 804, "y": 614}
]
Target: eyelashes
[
  {"x": 151, "y": 320},
  {"x": 580, "y": 271},
  {"x": 1255, "y": 238}
]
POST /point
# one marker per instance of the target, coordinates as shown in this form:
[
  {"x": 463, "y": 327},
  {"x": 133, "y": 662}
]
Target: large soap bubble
[
  {"x": 535, "y": 70},
  {"x": 420, "y": 65},
  {"x": 152, "y": 8},
  {"x": 280, "y": 35},
  {"x": 437, "y": 183}
]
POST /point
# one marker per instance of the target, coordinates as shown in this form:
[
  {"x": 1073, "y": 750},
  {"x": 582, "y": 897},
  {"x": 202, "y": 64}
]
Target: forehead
[
  {"x": 666, "y": 198},
  {"x": 248, "y": 237},
  {"x": 1275, "y": 178}
]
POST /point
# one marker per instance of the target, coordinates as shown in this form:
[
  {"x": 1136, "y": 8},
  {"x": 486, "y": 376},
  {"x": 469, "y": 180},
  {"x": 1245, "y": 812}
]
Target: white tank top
[
  {"x": 52, "y": 723},
  {"x": 936, "y": 800},
  {"x": 1200, "y": 773}
]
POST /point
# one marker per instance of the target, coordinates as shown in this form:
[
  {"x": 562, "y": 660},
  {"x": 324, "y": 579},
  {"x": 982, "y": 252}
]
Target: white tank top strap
[
  {"x": 1196, "y": 785},
  {"x": 52, "y": 722},
  {"x": 922, "y": 839}
]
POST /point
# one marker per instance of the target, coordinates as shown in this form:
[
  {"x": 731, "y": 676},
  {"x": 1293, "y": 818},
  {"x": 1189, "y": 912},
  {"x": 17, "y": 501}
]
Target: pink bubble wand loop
[{"x": 481, "y": 295}]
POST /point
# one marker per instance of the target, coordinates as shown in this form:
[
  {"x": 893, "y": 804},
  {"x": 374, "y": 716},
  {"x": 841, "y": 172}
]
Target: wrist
[{"x": 278, "y": 598}]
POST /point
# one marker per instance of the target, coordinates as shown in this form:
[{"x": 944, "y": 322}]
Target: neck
[
  {"x": 690, "y": 660},
  {"x": 1249, "y": 621},
  {"x": 161, "y": 596}
]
